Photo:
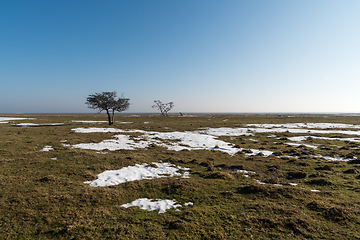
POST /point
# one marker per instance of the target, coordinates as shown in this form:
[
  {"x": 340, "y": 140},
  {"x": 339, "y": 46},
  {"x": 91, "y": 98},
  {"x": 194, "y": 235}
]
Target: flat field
[{"x": 236, "y": 177}]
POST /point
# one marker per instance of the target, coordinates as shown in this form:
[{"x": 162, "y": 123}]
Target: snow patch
[
  {"x": 7, "y": 119},
  {"x": 227, "y": 132},
  {"x": 196, "y": 140},
  {"x": 299, "y": 144},
  {"x": 37, "y": 124},
  {"x": 82, "y": 121},
  {"x": 305, "y": 125},
  {"x": 96, "y": 130},
  {"x": 150, "y": 205},
  {"x": 176, "y": 141},
  {"x": 46, "y": 149},
  {"x": 137, "y": 172}
]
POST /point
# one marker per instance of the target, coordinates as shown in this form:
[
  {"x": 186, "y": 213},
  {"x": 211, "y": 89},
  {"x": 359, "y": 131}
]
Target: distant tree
[
  {"x": 163, "y": 107},
  {"x": 108, "y": 102}
]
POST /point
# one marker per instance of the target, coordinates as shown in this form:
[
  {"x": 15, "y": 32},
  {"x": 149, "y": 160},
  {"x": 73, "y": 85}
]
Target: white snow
[
  {"x": 26, "y": 124},
  {"x": 333, "y": 158},
  {"x": 121, "y": 142},
  {"x": 12, "y": 119},
  {"x": 340, "y": 139},
  {"x": 96, "y": 130},
  {"x": 150, "y": 205},
  {"x": 37, "y": 124},
  {"x": 82, "y": 121},
  {"x": 259, "y": 182},
  {"x": 303, "y": 138},
  {"x": 271, "y": 136},
  {"x": 46, "y": 149},
  {"x": 298, "y": 138},
  {"x": 243, "y": 171},
  {"x": 137, "y": 172},
  {"x": 226, "y": 132},
  {"x": 305, "y": 125},
  {"x": 253, "y": 131},
  {"x": 176, "y": 141},
  {"x": 200, "y": 140},
  {"x": 302, "y": 131},
  {"x": 6, "y": 119},
  {"x": 299, "y": 144}
]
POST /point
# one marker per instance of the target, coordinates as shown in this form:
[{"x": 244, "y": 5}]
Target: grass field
[{"x": 294, "y": 193}]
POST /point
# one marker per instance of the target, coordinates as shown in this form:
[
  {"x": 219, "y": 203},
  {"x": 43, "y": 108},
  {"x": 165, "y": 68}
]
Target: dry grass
[{"x": 42, "y": 198}]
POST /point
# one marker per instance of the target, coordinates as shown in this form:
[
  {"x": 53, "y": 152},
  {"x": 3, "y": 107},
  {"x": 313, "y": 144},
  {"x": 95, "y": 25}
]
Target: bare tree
[
  {"x": 163, "y": 107},
  {"x": 108, "y": 102}
]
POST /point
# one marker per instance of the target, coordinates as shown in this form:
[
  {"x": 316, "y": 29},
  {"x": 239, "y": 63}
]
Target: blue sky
[{"x": 204, "y": 55}]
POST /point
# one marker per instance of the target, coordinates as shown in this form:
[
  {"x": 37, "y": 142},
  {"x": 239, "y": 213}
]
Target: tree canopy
[
  {"x": 163, "y": 107},
  {"x": 108, "y": 102}
]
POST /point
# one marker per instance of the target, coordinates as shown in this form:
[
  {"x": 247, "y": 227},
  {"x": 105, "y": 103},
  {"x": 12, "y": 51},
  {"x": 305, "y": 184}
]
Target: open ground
[{"x": 200, "y": 176}]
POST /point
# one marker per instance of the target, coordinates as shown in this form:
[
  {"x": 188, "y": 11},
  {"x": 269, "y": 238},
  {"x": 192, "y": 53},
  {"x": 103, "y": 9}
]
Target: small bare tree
[
  {"x": 108, "y": 102},
  {"x": 163, "y": 107}
]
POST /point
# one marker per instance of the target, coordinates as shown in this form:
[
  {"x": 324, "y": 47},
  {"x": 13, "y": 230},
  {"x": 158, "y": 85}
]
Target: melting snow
[
  {"x": 243, "y": 171},
  {"x": 305, "y": 125},
  {"x": 46, "y": 149},
  {"x": 82, "y": 121},
  {"x": 137, "y": 172},
  {"x": 271, "y": 136},
  {"x": 198, "y": 140},
  {"x": 37, "y": 124},
  {"x": 298, "y": 138},
  {"x": 7, "y": 119},
  {"x": 340, "y": 139},
  {"x": 299, "y": 144},
  {"x": 227, "y": 132},
  {"x": 96, "y": 130},
  {"x": 176, "y": 141},
  {"x": 252, "y": 131},
  {"x": 150, "y": 205},
  {"x": 27, "y": 124}
]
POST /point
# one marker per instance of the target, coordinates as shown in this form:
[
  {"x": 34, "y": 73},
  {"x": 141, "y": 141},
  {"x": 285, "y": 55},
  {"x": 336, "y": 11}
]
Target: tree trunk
[
  {"x": 109, "y": 117},
  {"x": 112, "y": 117}
]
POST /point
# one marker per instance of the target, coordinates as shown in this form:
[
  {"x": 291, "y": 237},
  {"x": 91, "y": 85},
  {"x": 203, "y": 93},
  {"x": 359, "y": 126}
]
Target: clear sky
[{"x": 204, "y": 55}]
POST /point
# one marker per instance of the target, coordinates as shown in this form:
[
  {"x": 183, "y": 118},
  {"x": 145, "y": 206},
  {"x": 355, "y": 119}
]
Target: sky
[{"x": 203, "y": 55}]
